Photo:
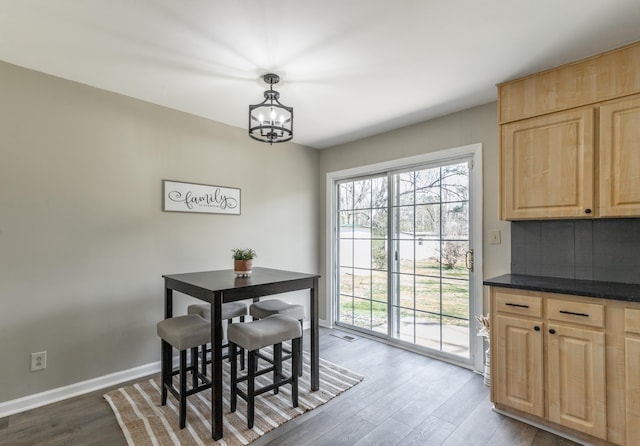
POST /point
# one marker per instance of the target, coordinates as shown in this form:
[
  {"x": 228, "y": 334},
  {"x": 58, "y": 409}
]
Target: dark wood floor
[{"x": 405, "y": 399}]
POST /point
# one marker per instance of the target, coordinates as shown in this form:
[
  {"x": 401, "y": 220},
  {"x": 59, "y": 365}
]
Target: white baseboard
[{"x": 62, "y": 393}]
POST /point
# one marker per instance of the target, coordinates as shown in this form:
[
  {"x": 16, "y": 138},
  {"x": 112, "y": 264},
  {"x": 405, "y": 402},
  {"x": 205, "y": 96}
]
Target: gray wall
[
  {"x": 476, "y": 125},
  {"x": 83, "y": 240}
]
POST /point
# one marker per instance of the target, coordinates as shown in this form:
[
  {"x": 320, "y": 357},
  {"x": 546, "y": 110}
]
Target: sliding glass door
[{"x": 404, "y": 256}]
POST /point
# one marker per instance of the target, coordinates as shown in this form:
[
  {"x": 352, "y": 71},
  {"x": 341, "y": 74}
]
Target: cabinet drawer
[
  {"x": 576, "y": 312},
  {"x": 632, "y": 320},
  {"x": 518, "y": 302}
]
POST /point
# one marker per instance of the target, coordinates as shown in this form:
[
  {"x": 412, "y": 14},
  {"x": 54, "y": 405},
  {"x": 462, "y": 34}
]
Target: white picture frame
[{"x": 179, "y": 196}]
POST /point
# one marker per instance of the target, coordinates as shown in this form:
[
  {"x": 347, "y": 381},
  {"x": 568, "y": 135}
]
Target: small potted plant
[{"x": 242, "y": 260}]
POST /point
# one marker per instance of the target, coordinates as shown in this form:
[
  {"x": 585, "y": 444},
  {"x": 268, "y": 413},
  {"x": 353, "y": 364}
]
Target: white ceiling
[{"x": 350, "y": 68}]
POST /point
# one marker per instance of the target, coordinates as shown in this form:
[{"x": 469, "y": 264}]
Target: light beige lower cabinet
[
  {"x": 632, "y": 374},
  {"x": 570, "y": 363}
]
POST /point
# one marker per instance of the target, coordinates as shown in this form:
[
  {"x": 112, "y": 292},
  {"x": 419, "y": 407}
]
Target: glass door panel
[{"x": 403, "y": 238}]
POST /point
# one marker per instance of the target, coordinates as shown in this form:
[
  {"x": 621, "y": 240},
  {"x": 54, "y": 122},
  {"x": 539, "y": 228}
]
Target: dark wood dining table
[{"x": 221, "y": 286}]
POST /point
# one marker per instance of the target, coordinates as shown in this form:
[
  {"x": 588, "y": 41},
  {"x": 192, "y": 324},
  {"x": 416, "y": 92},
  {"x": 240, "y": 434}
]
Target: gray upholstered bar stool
[
  {"x": 264, "y": 308},
  {"x": 229, "y": 311},
  {"x": 252, "y": 336},
  {"x": 183, "y": 333}
]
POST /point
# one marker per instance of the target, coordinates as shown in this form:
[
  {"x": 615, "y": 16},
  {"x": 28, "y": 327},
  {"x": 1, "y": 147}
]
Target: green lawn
[{"x": 364, "y": 297}]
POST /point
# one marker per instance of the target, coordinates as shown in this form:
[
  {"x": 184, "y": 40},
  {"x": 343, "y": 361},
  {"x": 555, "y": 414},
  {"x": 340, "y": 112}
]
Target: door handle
[{"x": 469, "y": 260}]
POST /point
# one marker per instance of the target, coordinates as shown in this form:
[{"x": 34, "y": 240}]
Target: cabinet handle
[
  {"x": 552, "y": 331},
  {"x": 516, "y": 305},
  {"x": 587, "y": 211},
  {"x": 574, "y": 314},
  {"x": 536, "y": 328}
]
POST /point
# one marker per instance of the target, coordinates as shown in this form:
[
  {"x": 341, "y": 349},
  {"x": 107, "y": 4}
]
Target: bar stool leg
[
  {"x": 300, "y": 364},
  {"x": 234, "y": 375},
  {"x": 296, "y": 351},
  {"x": 183, "y": 389},
  {"x": 241, "y": 350},
  {"x": 251, "y": 366},
  {"x": 277, "y": 366},
  {"x": 204, "y": 359},
  {"x": 167, "y": 369},
  {"x": 194, "y": 367}
]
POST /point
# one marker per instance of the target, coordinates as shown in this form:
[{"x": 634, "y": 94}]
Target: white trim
[
  {"x": 29, "y": 402},
  {"x": 472, "y": 150},
  {"x": 62, "y": 393}
]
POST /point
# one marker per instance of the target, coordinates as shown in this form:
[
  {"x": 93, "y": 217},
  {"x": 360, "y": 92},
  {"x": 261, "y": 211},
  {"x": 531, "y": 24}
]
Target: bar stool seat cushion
[
  {"x": 184, "y": 332},
  {"x": 264, "y": 308},
  {"x": 229, "y": 310},
  {"x": 263, "y": 332}
]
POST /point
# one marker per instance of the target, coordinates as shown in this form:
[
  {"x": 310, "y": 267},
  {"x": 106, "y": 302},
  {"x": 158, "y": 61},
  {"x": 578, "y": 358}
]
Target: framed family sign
[{"x": 200, "y": 198}]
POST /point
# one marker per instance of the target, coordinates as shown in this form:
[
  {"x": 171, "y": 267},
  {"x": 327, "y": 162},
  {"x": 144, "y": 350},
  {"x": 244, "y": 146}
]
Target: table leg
[
  {"x": 216, "y": 366},
  {"x": 315, "y": 334}
]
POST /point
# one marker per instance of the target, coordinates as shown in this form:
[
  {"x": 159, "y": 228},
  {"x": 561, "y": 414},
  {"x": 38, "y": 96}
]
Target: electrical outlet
[{"x": 38, "y": 361}]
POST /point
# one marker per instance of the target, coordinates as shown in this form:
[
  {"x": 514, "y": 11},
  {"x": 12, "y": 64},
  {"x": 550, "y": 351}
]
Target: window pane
[
  {"x": 346, "y": 281},
  {"x": 455, "y": 221},
  {"x": 362, "y": 313},
  {"x": 427, "y": 220},
  {"x": 362, "y": 284},
  {"x": 362, "y": 194},
  {"x": 428, "y": 186},
  {"x": 379, "y": 223},
  {"x": 455, "y": 182},
  {"x": 405, "y": 183},
  {"x": 405, "y": 218},
  {"x": 362, "y": 227},
  {"x": 346, "y": 252},
  {"x": 428, "y": 330},
  {"x": 345, "y": 196},
  {"x": 379, "y": 192},
  {"x": 379, "y": 317},
  {"x": 379, "y": 254},
  {"x": 362, "y": 253},
  {"x": 428, "y": 294},
  {"x": 346, "y": 309},
  {"x": 455, "y": 336},
  {"x": 405, "y": 256},
  {"x": 406, "y": 325},
  {"x": 379, "y": 286},
  {"x": 407, "y": 290},
  {"x": 455, "y": 298}
]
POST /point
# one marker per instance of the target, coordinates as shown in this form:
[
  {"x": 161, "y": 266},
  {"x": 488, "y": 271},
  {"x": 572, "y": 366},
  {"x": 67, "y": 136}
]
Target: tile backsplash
[{"x": 605, "y": 249}]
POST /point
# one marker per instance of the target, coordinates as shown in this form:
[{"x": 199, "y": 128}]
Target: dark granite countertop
[{"x": 592, "y": 288}]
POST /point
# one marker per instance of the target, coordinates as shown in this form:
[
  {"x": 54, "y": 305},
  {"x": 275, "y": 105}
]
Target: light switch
[{"x": 494, "y": 237}]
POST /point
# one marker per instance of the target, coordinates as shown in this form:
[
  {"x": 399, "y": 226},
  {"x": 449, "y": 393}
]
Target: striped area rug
[{"x": 144, "y": 422}]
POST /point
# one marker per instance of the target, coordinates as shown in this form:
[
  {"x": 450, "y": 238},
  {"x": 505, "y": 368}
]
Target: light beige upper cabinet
[
  {"x": 570, "y": 140},
  {"x": 619, "y": 156},
  {"x": 547, "y": 166}
]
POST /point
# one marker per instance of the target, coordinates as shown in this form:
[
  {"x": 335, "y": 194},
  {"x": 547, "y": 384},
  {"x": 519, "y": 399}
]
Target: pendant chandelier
[{"x": 270, "y": 121}]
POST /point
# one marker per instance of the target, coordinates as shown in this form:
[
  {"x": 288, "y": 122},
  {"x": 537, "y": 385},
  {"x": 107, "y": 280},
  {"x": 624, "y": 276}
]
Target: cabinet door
[
  {"x": 547, "y": 166},
  {"x": 632, "y": 387},
  {"x": 518, "y": 371},
  {"x": 576, "y": 379},
  {"x": 619, "y": 158}
]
